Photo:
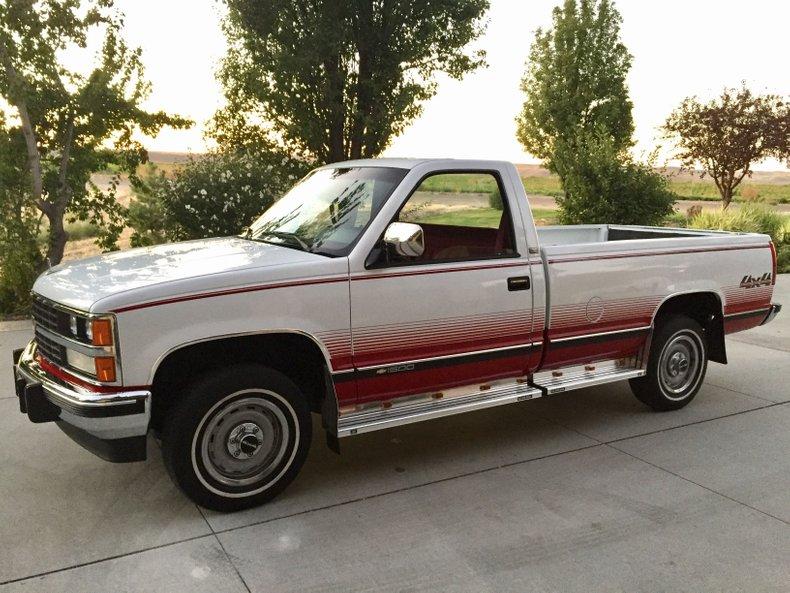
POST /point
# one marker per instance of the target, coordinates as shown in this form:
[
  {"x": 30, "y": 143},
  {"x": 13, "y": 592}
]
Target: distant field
[
  {"x": 549, "y": 185},
  {"x": 485, "y": 217}
]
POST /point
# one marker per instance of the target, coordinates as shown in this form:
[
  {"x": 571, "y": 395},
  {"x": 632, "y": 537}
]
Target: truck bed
[
  {"x": 602, "y": 233},
  {"x": 611, "y": 280}
]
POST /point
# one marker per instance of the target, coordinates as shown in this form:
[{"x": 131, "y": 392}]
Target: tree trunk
[
  {"x": 336, "y": 81},
  {"x": 363, "y": 108},
  {"x": 57, "y": 237},
  {"x": 18, "y": 101},
  {"x": 726, "y": 196},
  {"x": 362, "y": 112}
]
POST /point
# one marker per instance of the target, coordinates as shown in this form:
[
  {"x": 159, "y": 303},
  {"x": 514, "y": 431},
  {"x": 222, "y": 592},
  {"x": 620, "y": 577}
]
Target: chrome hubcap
[
  {"x": 244, "y": 441},
  {"x": 679, "y": 365}
]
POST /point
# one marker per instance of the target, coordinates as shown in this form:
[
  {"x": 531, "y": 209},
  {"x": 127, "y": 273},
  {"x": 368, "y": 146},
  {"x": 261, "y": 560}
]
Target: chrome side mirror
[{"x": 405, "y": 238}]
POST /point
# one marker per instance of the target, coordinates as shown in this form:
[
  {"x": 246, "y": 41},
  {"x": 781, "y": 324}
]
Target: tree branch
[
  {"x": 18, "y": 101},
  {"x": 64, "y": 191}
]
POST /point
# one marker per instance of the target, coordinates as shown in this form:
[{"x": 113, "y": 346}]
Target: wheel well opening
[
  {"x": 706, "y": 309},
  {"x": 295, "y": 355}
]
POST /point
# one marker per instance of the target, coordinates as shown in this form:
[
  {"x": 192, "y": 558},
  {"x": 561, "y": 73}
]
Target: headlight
[
  {"x": 98, "y": 362},
  {"x": 80, "y": 361}
]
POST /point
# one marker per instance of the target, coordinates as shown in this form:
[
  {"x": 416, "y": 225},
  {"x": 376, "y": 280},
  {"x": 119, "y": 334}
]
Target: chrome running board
[
  {"x": 416, "y": 408},
  {"x": 551, "y": 382},
  {"x": 425, "y": 407}
]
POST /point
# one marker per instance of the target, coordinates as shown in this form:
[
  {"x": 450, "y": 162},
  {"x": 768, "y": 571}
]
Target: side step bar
[
  {"x": 552, "y": 382},
  {"x": 416, "y": 408}
]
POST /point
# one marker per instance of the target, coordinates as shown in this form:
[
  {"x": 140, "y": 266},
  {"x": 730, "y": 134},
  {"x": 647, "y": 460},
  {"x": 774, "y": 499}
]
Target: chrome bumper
[
  {"x": 772, "y": 312},
  {"x": 111, "y": 425}
]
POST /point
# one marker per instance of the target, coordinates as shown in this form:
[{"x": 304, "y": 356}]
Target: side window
[{"x": 463, "y": 216}]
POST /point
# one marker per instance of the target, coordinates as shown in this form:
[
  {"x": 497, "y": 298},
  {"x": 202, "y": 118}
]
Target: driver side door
[{"x": 460, "y": 313}]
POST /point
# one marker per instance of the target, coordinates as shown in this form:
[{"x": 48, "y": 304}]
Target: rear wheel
[
  {"x": 676, "y": 366},
  {"x": 237, "y": 437}
]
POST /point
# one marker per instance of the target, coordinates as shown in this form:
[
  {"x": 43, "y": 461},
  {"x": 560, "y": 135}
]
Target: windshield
[{"x": 327, "y": 211}]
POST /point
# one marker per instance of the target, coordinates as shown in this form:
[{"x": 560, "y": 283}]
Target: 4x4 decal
[{"x": 750, "y": 281}]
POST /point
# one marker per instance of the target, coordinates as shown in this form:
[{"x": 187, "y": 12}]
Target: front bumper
[
  {"x": 772, "y": 312},
  {"x": 110, "y": 425}
]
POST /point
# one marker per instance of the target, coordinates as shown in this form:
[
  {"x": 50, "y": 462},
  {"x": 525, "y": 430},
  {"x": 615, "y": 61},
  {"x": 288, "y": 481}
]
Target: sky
[{"x": 680, "y": 48}]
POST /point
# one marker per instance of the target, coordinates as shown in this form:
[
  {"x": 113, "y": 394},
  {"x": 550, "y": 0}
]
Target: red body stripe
[
  {"x": 560, "y": 355},
  {"x": 387, "y": 386},
  {"x": 440, "y": 271},
  {"x": 206, "y": 295},
  {"x": 54, "y": 370},
  {"x": 742, "y": 323},
  {"x": 560, "y": 260}
]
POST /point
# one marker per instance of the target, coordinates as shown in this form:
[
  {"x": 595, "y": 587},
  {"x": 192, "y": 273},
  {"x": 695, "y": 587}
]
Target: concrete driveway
[{"x": 588, "y": 491}]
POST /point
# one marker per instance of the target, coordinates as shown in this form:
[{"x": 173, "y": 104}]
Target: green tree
[
  {"x": 20, "y": 259},
  {"x": 215, "y": 195},
  {"x": 575, "y": 83},
  {"x": 603, "y": 184},
  {"x": 338, "y": 80},
  {"x": 74, "y": 123},
  {"x": 725, "y": 136}
]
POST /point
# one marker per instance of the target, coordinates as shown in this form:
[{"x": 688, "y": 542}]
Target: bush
[
  {"x": 20, "y": 256},
  {"x": 602, "y": 185},
  {"x": 750, "y": 218},
  {"x": 495, "y": 200},
  {"x": 783, "y": 256},
  {"x": 215, "y": 195},
  {"x": 20, "y": 265},
  {"x": 676, "y": 220}
]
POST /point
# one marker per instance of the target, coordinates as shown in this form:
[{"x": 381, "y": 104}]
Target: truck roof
[{"x": 410, "y": 163}]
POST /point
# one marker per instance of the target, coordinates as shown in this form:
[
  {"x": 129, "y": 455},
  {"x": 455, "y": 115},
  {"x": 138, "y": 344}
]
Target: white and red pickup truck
[{"x": 375, "y": 293}]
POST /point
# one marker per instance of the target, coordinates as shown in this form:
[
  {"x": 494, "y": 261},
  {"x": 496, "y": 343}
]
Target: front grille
[
  {"x": 47, "y": 316},
  {"x": 51, "y": 350}
]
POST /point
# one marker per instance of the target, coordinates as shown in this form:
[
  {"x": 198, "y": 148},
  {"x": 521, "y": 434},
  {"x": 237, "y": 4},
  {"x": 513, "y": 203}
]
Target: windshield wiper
[{"x": 293, "y": 237}]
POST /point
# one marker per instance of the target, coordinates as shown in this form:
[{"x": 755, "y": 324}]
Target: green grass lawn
[
  {"x": 698, "y": 189},
  {"x": 484, "y": 217}
]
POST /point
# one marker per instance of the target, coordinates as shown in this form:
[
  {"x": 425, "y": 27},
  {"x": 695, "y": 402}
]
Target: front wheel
[
  {"x": 237, "y": 437},
  {"x": 676, "y": 365}
]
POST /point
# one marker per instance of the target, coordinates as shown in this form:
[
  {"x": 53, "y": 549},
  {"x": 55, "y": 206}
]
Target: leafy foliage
[
  {"x": 603, "y": 185},
  {"x": 214, "y": 195},
  {"x": 575, "y": 83},
  {"x": 338, "y": 80},
  {"x": 74, "y": 123},
  {"x": 727, "y": 135},
  {"x": 20, "y": 259},
  {"x": 749, "y": 218},
  {"x": 752, "y": 218}
]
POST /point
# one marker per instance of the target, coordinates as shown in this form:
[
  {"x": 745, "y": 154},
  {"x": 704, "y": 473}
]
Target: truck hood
[{"x": 118, "y": 279}]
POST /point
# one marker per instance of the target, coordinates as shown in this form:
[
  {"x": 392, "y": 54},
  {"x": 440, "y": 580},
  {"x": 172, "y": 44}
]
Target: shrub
[
  {"x": 20, "y": 265},
  {"x": 750, "y": 218},
  {"x": 676, "y": 220},
  {"x": 20, "y": 255},
  {"x": 603, "y": 185},
  {"x": 214, "y": 195},
  {"x": 783, "y": 257},
  {"x": 495, "y": 200}
]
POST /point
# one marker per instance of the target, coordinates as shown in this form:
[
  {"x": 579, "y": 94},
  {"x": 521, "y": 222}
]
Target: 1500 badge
[
  {"x": 398, "y": 368},
  {"x": 750, "y": 281}
]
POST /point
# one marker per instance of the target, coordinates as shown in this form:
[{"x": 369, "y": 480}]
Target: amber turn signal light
[
  {"x": 105, "y": 369},
  {"x": 102, "y": 332}
]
